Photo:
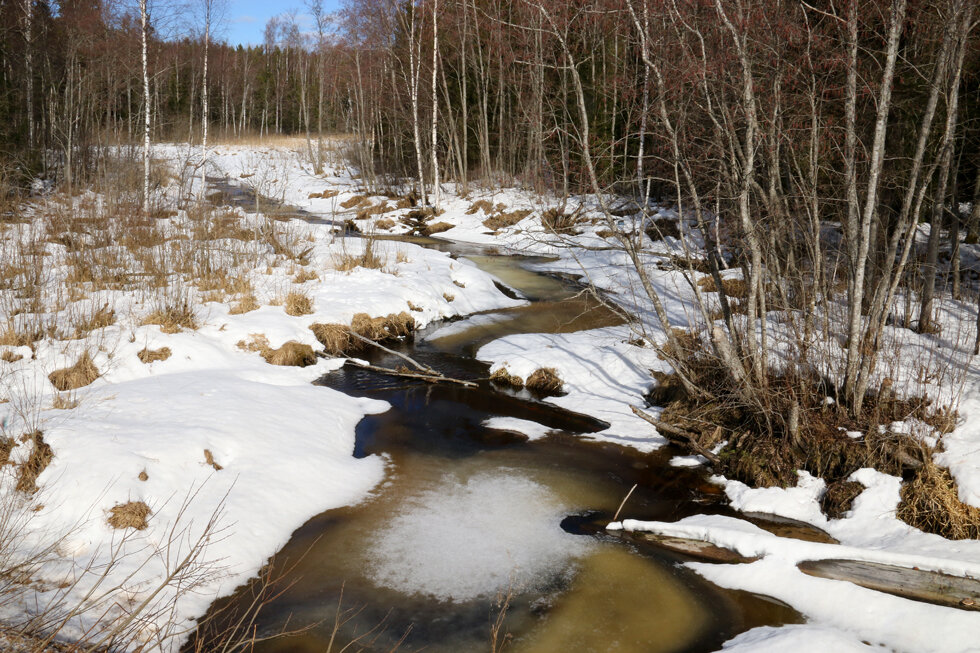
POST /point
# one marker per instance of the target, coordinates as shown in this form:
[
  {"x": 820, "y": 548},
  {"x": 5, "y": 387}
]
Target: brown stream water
[{"x": 475, "y": 526}]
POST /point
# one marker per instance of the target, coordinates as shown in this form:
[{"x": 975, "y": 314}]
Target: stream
[{"x": 479, "y": 537}]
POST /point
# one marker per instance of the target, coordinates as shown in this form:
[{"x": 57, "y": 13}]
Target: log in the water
[
  {"x": 695, "y": 548},
  {"x": 909, "y": 583}
]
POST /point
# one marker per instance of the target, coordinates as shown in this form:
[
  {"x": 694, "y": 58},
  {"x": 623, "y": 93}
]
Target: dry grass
[
  {"x": 480, "y": 205},
  {"x": 132, "y": 514},
  {"x": 390, "y": 327},
  {"x": 209, "y": 460},
  {"x": 148, "y": 356},
  {"x": 37, "y": 462},
  {"x": 245, "y": 304},
  {"x": 357, "y": 200},
  {"x": 99, "y": 319},
  {"x": 544, "y": 381},
  {"x": 448, "y": 297},
  {"x": 930, "y": 503},
  {"x": 335, "y": 338},
  {"x": 8, "y": 356},
  {"x": 376, "y": 209},
  {"x": 297, "y": 303},
  {"x": 304, "y": 275},
  {"x": 64, "y": 402},
  {"x": 502, "y": 377},
  {"x": 438, "y": 228},
  {"x": 733, "y": 287},
  {"x": 290, "y": 353},
  {"x": 413, "y": 307},
  {"x": 385, "y": 224},
  {"x": 502, "y": 220},
  {"x": 370, "y": 259},
  {"x": 555, "y": 219},
  {"x": 82, "y": 373},
  {"x": 323, "y": 195},
  {"x": 173, "y": 315}
]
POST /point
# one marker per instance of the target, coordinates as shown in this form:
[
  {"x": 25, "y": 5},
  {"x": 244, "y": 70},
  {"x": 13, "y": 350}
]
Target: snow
[
  {"x": 532, "y": 430},
  {"x": 479, "y": 537},
  {"x": 801, "y": 638}
]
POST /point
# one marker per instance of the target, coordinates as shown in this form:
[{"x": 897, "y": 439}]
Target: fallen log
[
  {"x": 677, "y": 435},
  {"x": 910, "y": 583},
  {"x": 695, "y": 548}
]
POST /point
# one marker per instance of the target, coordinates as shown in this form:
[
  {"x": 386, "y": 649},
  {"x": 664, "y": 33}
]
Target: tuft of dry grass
[
  {"x": 385, "y": 224},
  {"x": 209, "y": 459},
  {"x": 357, "y": 200},
  {"x": 290, "y": 353},
  {"x": 245, "y": 304},
  {"x": 143, "y": 476},
  {"x": 545, "y": 381},
  {"x": 148, "y": 356},
  {"x": 389, "y": 327},
  {"x": 304, "y": 275},
  {"x": 502, "y": 220},
  {"x": 99, "y": 319},
  {"x": 131, "y": 514},
  {"x": 930, "y": 503},
  {"x": 297, "y": 303},
  {"x": 82, "y": 373},
  {"x": 437, "y": 228},
  {"x": 733, "y": 287},
  {"x": 37, "y": 462},
  {"x": 369, "y": 259},
  {"x": 502, "y": 377},
  {"x": 413, "y": 307},
  {"x": 323, "y": 195},
  {"x": 837, "y": 500},
  {"x": 8, "y": 356},
  {"x": 64, "y": 402},
  {"x": 480, "y": 205},
  {"x": 448, "y": 297},
  {"x": 335, "y": 338},
  {"x": 173, "y": 315}
]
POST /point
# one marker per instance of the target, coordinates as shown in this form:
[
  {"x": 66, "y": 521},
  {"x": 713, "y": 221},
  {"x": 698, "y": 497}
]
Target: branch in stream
[
  {"x": 677, "y": 435},
  {"x": 434, "y": 377}
]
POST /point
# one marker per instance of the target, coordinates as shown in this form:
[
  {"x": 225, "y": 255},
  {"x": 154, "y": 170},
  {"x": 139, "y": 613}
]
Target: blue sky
[{"x": 244, "y": 20}]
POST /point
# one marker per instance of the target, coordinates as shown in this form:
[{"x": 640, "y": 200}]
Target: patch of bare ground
[
  {"x": 661, "y": 228},
  {"x": 763, "y": 450},
  {"x": 147, "y": 355},
  {"x": 132, "y": 514},
  {"x": 82, "y": 373}
]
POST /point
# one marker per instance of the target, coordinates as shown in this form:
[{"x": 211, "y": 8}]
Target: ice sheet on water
[{"x": 465, "y": 539}]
